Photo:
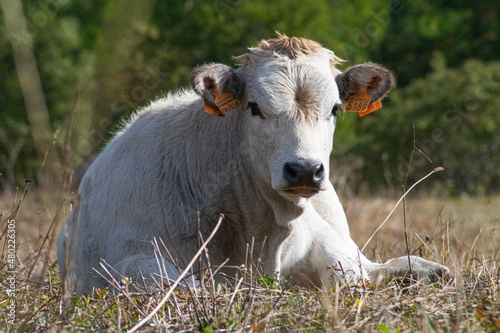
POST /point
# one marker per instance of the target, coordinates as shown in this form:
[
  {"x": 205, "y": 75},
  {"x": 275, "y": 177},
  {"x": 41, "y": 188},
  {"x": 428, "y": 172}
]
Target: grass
[{"x": 461, "y": 233}]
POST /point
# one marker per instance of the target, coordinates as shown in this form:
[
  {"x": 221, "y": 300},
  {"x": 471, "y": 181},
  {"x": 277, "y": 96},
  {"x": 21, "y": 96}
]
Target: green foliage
[
  {"x": 266, "y": 282},
  {"x": 63, "y": 62},
  {"x": 455, "y": 116},
  {"x": 459, "y": 29},
  {"x": 385, "y": 329},
  {"x": 120, "y": 54},
  {"x": 119, "y": 64}
]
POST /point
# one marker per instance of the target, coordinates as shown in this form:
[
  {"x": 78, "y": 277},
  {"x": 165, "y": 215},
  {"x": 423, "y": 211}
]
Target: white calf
[{"x": 174, "y": 169}]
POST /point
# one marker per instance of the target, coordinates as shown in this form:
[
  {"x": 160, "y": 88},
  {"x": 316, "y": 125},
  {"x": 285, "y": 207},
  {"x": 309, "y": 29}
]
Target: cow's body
[{"x": 174, "y": 169}]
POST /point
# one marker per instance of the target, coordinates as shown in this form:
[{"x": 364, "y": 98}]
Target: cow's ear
[
  {"x": 376, "y": 79},
  {"x": 221, "y": 87}
]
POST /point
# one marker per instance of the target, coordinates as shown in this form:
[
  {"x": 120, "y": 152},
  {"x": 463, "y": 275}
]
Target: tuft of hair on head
[{"x": 290, "y": 47}]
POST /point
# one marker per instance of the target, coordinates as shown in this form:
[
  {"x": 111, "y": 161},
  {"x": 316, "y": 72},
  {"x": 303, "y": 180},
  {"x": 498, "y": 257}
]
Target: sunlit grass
[{"x": 461, "y": 233}]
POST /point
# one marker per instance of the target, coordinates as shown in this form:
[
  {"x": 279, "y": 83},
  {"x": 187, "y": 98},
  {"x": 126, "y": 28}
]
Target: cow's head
[{"x": 287, "y": 93}]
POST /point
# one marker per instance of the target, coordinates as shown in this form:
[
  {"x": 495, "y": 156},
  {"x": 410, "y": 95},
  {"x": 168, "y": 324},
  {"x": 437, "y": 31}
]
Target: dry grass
[{"x": 458, "y": 232}]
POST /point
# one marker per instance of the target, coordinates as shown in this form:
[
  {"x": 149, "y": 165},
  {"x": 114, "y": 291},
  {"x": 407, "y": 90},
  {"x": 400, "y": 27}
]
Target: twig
[
  {"x": 397, "y": 203},
  {"x": 115, "y": 284},
  {"x": 179, "y": 279},
  {"x": 15, "y": 213},
  {"x": 46, "y": 238},
  {"x": 67, "y": 141},
  {"x": 474, "y": 244},
  {"x": 230, "y": 304},
  {"x": 425, "y": 245},
  {"x": 405, "y": 225}
]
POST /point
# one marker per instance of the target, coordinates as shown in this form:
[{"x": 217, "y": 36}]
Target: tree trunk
[{"x": 31, "y": 87}]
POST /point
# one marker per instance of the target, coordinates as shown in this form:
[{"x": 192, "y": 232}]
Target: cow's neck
[
  {"x": 284, "y": 210},
  {"x": 276, "y": 218}
]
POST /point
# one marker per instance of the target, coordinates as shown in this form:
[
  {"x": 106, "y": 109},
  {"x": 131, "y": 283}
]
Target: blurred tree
[
  {"x": 140, "y": 59},
  {"x": 117, "y": 62},
  {"x": 455, "y": 115},
  {"x": 460, "y": 30},
  {"x": 30, "y": 84},
  {"x": 55, "y": 42},
  {"x": 120, "y": 54},
  {"x": 423, "y": 43}
]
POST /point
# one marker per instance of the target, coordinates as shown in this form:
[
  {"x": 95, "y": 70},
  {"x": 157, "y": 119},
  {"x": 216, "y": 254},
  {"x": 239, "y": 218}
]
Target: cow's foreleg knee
[{"x": 339, "y": 260}]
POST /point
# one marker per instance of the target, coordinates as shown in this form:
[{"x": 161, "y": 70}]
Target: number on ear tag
[
  {"x": 361, "y": 103},
  {"x": 226, "y": 102}
]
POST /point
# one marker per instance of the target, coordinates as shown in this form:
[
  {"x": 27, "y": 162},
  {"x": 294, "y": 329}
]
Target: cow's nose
[{"x": 304, "y": 173}]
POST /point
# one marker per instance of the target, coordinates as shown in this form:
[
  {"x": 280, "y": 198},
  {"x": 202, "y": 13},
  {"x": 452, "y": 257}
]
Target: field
[{"x": 462, "y": 233}]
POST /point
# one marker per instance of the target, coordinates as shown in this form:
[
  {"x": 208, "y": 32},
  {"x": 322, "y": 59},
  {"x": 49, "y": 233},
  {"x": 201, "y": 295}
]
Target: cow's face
[
  {"x": 289, "y": 94},
  {"x": 290, "y": 120}
]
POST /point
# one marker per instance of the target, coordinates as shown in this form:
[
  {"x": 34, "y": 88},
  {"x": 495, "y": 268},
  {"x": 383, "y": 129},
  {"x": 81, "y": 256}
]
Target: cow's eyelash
[
  {"x": 255, "y": 110},
  {"x": 335, "y": 108}
]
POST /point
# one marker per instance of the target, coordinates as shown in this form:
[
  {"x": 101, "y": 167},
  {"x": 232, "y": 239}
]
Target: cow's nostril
[
  {"x": 291, "y": 172},
  {"x": 320, "y": 173}
]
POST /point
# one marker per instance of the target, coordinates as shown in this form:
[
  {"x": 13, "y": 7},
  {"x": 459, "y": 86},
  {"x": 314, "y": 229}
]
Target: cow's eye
[
  {"x": 255, "y": 110},
  {"x": 335, "y": 108}
]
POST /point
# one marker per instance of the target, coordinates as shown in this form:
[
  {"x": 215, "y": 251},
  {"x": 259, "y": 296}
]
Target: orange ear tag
[
  {"x": 361, "y": 103},
  {"x": 372, "y": 108},
  {"x": 226, "y": 102},
  {"x": 209, "y": 108}
]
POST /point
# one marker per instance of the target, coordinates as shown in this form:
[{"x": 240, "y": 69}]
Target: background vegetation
[
  {"x": 70, "y": 70},
  {"x": 110, "y": 57}
]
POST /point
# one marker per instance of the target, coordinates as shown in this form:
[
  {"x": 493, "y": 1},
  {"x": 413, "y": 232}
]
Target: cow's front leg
[
  {"x": 338, "y": 258},
  {"x": 329, "y": 208},
  {"x": 317, "y": 251},
  {"x": 410, "y": 269}
]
